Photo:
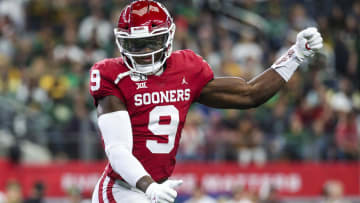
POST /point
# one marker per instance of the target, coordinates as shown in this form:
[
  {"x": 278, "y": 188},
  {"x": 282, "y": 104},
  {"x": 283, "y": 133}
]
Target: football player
[{"x": 142, "y": 99}]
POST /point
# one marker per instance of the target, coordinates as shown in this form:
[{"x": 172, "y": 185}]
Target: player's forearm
[
  {"x": 126, "y": 164},
  {"x": 116, "y": 131},
  {"x": 264, "y": 86},
  {"x": 144, "y": 182}
]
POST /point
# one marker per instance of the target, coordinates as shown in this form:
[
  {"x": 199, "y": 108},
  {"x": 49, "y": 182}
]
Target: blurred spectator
[
  {"x": 248, "y": 54},
  {"x": 241, "y": 195},
  {"x": 69, "y": 50},
  {"x": 13, "y": 193},
  {"x": 212, "y": 57},
  {"x": 183, "y": 40},
  {"x": 319, "y": 146},
  {"x": 333, "y": 193},
  {"x": 346, "y": 136},
  {"x": 222, "y": 199},
  {"x": 249, "y": 142},
  {"x": 277, "y": 24},
  {"x": 80, "y": 125},
  {"x": 7, "y": 37},
  {"x": 75, "y": 196},
  {"x": 199, "y": 196},
  {"x": 272, "y": 196},
  {"x": 95, "y": 28},
  {"x": 299, "y": 19},
  {"x": 37, "y": 193},
  {"x": 192, "y": 139},
  {"x": 14, "y": 10},
  {"x": 296, "y": 140}
]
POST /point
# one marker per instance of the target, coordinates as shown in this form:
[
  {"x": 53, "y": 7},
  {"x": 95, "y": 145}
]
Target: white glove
[
  {"x": 308, "y": 42},
  {"x": 163, "y": 193}
]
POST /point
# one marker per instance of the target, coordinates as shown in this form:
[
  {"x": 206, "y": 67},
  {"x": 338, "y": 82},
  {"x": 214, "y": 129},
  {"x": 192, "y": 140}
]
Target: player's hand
[
  {"x": 163, "y": 193},
  {"x": 308, "y": 42}
]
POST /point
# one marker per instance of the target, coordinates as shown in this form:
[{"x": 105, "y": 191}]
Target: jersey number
[
  {"x": 167, "y": 128},
  {"x": 95, "y": 78}
]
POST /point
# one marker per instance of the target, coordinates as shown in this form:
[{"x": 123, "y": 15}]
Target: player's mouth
[{"x": 145, "y": 60}]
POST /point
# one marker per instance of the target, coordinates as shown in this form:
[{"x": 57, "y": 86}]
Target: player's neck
[{"x": 161, "y": 70}]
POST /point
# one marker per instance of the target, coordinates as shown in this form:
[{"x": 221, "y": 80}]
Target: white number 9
[
  {"x": 169, "y": 129},
  {"x": 95, "y": 78}
]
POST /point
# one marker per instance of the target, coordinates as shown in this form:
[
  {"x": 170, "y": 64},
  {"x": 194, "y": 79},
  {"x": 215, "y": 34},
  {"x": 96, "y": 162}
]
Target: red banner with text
[{"x": 290, "y": 179}]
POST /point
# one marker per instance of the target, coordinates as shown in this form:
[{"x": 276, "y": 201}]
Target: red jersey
[{"x": 157, "y": 105}]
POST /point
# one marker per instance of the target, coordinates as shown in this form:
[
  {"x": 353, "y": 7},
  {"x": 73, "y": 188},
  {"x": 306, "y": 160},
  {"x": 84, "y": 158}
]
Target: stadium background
[{"x": 308, "y": 133}]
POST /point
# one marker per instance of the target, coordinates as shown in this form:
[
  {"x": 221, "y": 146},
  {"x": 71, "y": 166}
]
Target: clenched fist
[
  {"x": 163, "y": 193},
  {"x": 308, "y": 42}
]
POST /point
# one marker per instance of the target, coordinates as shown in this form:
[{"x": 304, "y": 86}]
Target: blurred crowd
[
  {"x": 47, "y": 48},
  {"x": 333, "y": 192},
  {"x": 13, "y": 194}
]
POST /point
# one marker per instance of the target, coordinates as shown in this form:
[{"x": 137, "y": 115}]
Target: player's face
[{"x": 145, "y": 46}]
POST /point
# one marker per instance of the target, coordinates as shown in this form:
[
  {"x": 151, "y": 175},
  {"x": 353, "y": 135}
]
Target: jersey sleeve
[
  {"x": 203, "y": 73},
  {"x": 102, "y": 83}
]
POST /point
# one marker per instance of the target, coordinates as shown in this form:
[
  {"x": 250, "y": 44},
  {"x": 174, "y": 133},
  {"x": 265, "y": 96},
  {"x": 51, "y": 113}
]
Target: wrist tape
[{"x": 287, "y": 64}]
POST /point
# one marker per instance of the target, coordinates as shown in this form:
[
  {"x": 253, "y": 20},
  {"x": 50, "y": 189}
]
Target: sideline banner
[{"x": 290, "y": 179}]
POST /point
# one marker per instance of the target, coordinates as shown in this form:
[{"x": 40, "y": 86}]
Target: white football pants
[{"x": 108, "y": 190}]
